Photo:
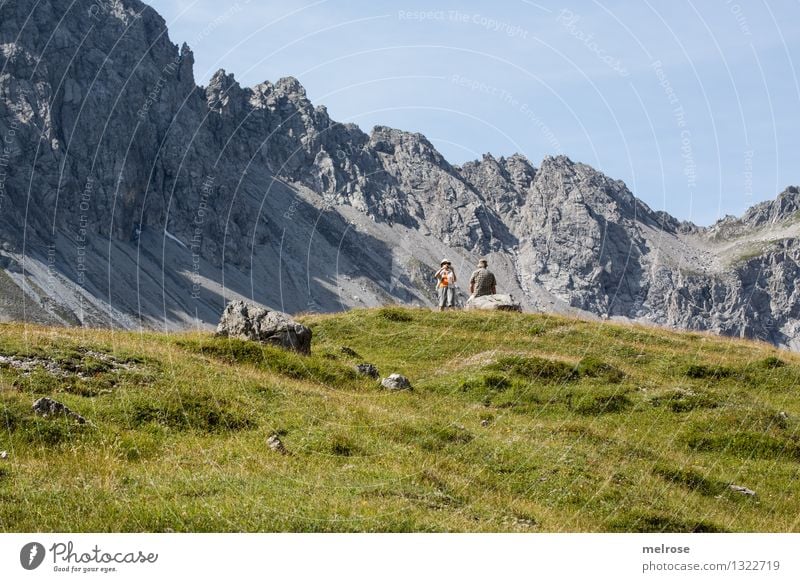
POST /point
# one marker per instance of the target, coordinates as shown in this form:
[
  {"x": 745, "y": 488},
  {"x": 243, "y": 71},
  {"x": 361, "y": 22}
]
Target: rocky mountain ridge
[{"x": 132, "y": 197}]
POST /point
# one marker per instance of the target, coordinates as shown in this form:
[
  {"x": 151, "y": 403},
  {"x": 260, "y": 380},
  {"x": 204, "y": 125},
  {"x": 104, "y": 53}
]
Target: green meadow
[{"x": 516, "y": 422}]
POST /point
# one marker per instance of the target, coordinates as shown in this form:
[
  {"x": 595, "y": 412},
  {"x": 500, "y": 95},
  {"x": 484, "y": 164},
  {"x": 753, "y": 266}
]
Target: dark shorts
[{"x": 447, "y": 296}]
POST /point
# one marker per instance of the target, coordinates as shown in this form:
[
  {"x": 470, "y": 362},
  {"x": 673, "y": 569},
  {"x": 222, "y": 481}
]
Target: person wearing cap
[
  {"x": 446, "y": 286},
  {"x": 482, "y": 281}
]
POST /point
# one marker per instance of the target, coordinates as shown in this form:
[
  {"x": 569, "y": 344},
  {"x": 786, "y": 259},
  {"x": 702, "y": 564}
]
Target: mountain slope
[{"x": 133, "y": 197}]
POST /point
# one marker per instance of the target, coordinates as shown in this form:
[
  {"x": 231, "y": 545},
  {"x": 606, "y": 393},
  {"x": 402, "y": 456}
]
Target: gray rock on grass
[
  {"x": 367, "y": 369},
  {"x": 396, "y": 382},
  {"x": 496, "y": 302},
  {"x": 47, "y": 407},
  {"x": 742, "y": 490},
  {"x": 246, "y": 321},
  {"x": 275, "y": 444}
]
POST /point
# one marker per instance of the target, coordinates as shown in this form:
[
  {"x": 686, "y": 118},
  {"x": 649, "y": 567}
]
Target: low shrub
[
  {"x": 535, "y": 368},
  {"x": 679, "y": 400},
  {"x": 746, "y": 444},
  {"x": 595, "y": 404},
  {"x": 704, "y": 372},
  {"x": 596, "y": 368},
  {"x": 187, "y": 411}
]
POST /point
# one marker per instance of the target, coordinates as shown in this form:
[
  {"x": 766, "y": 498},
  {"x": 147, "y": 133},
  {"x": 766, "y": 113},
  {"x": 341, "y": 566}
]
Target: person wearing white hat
[{"x": 446, "y": 285}]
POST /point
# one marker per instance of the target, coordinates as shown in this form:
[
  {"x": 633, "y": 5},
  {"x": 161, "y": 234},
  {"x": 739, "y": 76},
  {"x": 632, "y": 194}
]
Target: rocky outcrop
[
  {"x": 244, "y": 321},
  {"x": 132, "y": 197},
  {"x": 396, "y": 382},
  {"x": 770, "y": 215}
]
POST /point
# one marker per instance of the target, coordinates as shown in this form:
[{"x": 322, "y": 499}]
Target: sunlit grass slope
[{"x": 515, "y": 423}]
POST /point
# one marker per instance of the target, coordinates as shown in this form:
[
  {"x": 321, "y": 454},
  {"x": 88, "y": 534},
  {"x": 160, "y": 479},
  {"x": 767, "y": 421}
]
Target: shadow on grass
[
  {"x": 640, "y": 522},
  {"x": 283, "y": 362}
]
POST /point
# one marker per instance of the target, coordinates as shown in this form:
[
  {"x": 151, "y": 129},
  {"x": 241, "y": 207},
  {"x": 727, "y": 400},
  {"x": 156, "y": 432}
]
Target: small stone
[
  {"x": 48, "y": 407},
  {"x": 367, "y": 369},
  {"x": 274, "y": 442},
  {"x": 742, "y": 490},
  {"x": 396, "y": 382},
  {"x": 484, "y": 422},
  {"x": 782, "y": 419},
  {"x": 3, "y": 455},
  {"x": 349, "y": 352}
]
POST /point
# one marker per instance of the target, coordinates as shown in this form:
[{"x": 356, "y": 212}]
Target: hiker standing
[
  {"x": 482, "y": 281},
  {"x": 446, "y": 286}
]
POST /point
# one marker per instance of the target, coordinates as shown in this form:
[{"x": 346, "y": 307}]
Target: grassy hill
[{"x": 515, "y": 423}]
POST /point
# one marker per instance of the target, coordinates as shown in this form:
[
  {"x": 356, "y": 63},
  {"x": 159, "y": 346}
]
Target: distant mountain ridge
[{"x": 133, "y": 197}]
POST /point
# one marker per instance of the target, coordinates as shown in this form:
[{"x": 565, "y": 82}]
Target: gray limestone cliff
[{"x": 130, "y": 196}]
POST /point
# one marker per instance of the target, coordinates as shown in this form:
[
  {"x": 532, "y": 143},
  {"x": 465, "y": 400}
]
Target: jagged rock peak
[
  {"x": 290, "y": 86},
  {"x": 560, "y": 162},
  {"x": 785, "y": 206},
  {"x": 222, "y": 79},
  {"x": 222, "y": 90},
  {"x": 782, "y": 210},
  {"x": 520, "y": 170},
  {"x": 186, "y": 67},
  {"x": 126, "y": 11},
  {"x": 385, "y": 139},
  {"x": 386, "y": 132}
]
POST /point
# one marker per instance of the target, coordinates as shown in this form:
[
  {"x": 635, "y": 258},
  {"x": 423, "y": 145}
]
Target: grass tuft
[
  {"x": 534, "y": 368},
  {"x": 316, "y": 368},
  {"x": 395, "y": 314},
  {"x": 704, "y": 372},
  {"x": 682, "y": 400},
  {"x": 601, "y": 402},
  {"x": 188, "y": 411},
  {"x": 597, "y": 368},
  {"x": 691, "y": 480},
  {"x": 746, "y": 444}
]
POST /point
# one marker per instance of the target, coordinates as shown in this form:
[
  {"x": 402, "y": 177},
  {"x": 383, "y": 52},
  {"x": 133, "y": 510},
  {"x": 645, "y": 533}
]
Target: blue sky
[{"x": 695, "y": 105}]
